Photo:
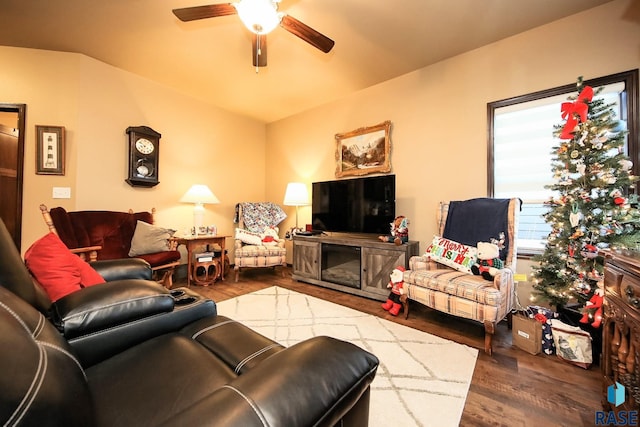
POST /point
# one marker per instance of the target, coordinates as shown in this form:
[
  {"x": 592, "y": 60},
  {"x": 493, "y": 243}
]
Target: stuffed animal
[
  {"x": 269, "y": 236},
  {"x": 489, "y": 262},
  {"x": 399, "y": 231},
  {"x": 396, "y": 284},
  {"x": 593, "y": 309}
]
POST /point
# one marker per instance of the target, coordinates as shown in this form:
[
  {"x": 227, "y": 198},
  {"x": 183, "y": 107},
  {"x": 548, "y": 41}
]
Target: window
[{"x": 521, "y": 141}]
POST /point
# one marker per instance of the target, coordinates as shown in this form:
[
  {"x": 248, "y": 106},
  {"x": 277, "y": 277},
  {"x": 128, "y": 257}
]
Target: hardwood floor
[{"x": 510, "y": 388}]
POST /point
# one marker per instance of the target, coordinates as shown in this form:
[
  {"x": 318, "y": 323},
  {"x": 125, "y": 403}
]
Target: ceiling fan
[{"x": 260, "y": 17}]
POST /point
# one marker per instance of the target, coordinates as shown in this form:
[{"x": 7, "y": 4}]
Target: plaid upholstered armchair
[
  {"x": 442, "y": 279},
  {"x": 257, "y": 241}
]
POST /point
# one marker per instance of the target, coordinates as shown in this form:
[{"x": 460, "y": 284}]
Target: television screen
[{"x": 360, "y": 205}]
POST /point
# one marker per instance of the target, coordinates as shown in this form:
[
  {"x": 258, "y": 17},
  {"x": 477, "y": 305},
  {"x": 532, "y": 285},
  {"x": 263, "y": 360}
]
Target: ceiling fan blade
[
  {"x": 259, "y": 50},
  {"x": 307, "y": 33},
  {"x": 202, "y": 12}
]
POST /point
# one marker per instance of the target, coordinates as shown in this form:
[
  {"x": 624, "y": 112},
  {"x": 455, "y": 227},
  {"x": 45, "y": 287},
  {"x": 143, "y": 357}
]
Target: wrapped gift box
[{"x": 544, "y": 315}]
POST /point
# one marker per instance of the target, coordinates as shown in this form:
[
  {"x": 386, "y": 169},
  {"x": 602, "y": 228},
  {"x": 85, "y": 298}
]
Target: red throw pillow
[
  {"x": 88, "y": 275},
  {"x": 57, "y": 270}
]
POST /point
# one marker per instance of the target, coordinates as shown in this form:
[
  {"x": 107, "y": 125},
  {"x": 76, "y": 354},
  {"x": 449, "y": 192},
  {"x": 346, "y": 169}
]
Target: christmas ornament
[
  {"x": 576, "y": 234},
  {"x": 589, "y": 251},
  {"x": 565, "y": 179},
  {"x": 575, "y": 216},
  {"x": 609, "y": 178},
  {"x": 625, "y": 165}
]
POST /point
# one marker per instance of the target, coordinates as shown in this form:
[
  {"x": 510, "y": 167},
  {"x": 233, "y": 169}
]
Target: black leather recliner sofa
[
  {"x": 102, "y": 320},
  {"x": 86, "y": 360}
]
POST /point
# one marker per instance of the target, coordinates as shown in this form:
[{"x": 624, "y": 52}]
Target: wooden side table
[
  {"x": 193, "y": 242},
  {"x": 211, "y": 270}
]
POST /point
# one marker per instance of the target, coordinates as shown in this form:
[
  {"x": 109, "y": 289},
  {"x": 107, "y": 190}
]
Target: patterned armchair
[
  {"x": 257, "y": 242},
  {"x": 460, "y": 293}
]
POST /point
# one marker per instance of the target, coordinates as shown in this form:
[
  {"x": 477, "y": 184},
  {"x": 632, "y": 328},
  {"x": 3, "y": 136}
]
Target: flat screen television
[{"x": 359, "y": 205}]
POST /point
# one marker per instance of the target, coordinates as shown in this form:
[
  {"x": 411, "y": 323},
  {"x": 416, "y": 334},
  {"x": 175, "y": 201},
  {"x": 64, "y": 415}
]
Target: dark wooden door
[{"x": 11, "y": 168}]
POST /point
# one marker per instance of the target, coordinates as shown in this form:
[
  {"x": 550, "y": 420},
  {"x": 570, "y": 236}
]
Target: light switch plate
[{"x": 61, "y": 192}]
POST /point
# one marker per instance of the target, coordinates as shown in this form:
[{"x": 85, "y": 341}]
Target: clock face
[{"x": 144, "y": 146}]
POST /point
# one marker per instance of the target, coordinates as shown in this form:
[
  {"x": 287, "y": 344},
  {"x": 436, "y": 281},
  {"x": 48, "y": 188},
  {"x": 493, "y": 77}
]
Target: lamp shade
[
  {"x": 296, "y": 194},
  {"x": 199, "y": 193},
  {"x": 259, "y": 16}
]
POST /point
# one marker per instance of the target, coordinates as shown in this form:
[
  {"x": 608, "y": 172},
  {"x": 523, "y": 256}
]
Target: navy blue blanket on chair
[{"x": 478, "y": 220}]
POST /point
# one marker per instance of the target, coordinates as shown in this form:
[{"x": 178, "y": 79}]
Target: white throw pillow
[
  {"x": 452, "y": 254},
  {"x": 248, "y": 237}
]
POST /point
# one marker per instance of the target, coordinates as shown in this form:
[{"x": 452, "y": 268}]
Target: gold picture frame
[
  {"x": 364, "y": 151},
  {"x": 50, "y": 150}
]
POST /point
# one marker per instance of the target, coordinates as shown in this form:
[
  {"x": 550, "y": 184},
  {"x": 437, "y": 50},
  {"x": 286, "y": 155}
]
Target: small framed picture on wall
[{"x": 50, "y": 150}]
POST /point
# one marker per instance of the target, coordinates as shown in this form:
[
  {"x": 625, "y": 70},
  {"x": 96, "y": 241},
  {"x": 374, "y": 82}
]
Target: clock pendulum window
[{"x": 144, "y": 147}]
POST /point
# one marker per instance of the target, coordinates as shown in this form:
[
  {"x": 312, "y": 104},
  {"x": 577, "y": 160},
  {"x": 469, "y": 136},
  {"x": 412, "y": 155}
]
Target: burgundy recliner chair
[{"x": 107, "y": 235}]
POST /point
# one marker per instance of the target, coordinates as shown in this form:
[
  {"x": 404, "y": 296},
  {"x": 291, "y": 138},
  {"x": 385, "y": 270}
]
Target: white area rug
[{"x": 422, "y": 379}]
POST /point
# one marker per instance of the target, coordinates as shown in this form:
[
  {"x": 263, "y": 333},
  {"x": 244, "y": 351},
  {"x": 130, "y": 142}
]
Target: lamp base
[{"x": 198, "y": 215}]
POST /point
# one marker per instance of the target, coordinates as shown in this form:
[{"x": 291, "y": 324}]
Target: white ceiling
[{"x": 210, "y": 59}]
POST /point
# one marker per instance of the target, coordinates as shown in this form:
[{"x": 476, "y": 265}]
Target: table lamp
[
  {"x": 296, "y": 195},
  {"x": 199, "y": 194}
]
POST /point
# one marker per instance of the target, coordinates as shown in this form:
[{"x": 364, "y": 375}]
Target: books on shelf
[{"x": 205, "y": 256}]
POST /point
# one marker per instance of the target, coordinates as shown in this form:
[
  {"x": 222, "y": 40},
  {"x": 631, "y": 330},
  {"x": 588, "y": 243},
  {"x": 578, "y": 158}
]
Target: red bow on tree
[{"x": 572, "y": 110}]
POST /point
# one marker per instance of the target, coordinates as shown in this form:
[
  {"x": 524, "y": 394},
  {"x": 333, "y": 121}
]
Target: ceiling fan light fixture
[{"x": 259, "y": 16}]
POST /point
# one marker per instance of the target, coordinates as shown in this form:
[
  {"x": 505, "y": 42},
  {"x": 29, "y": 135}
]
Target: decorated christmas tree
[{"x": 591, "y": 208}]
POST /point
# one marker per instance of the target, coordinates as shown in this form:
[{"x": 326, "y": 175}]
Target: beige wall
[
  {"x": 96, "y": 103},
  {"x": 438, "y": 113}
]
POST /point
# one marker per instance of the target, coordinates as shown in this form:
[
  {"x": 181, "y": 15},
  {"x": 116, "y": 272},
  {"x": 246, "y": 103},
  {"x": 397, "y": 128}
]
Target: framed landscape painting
[{"x": 364, "y": 151}]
